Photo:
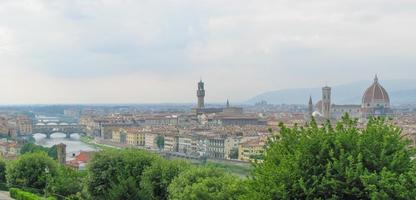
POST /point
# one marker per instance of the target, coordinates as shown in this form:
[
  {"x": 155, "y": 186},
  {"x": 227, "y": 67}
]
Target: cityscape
[{"x": 183, "y": 100}]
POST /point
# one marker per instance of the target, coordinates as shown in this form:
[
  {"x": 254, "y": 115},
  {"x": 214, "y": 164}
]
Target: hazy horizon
[{"x": 141, "y": 52}]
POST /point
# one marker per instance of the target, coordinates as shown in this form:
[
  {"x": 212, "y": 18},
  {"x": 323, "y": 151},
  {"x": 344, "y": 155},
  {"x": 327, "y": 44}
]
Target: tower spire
[
  {"x": 310, "y": 106},
  {"x": 376, "y": 79}
]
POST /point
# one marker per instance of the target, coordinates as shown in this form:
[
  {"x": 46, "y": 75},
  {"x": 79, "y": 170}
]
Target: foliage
[
  {"x": 2, "y": 171},
  {"x": 344, "y": 162},
  {"x": 157, "y": 177},
  {"x": 33, "y": 148},
  {"x": 160, "y": 142},
  {"x": 68, "y": 182},
  {"x": 31, "y": 170},
  {"x": 124, "y": 189},
  {"x": 205, "y": 183},
  {"x": 23, "y": 195},
  {"x": 109, "y": 167}
]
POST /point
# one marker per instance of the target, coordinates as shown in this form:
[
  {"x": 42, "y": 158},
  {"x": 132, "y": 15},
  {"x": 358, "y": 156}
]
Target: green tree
[
  {"x": 157, "y": 177},
  {"x": 32, "y": 170},
  {"x": 2, "y": 171},
  {"x": 344, "y": 162},
  {"x": 160, "y": 141},
  {"x": 124, "y": 189},
  {"x": 33, "y": 148},
  {"x": 68, "y": 182},
  {"x": 109, "y": 167},
  {"x": 205, "y": 183}
]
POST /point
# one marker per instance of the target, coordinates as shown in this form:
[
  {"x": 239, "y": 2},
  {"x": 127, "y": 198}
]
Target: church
[{"x": 375, "y": 102}]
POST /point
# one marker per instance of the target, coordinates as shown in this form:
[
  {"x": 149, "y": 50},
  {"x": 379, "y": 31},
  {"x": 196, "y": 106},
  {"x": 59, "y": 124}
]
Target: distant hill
[{"x": 400, "y": 91}]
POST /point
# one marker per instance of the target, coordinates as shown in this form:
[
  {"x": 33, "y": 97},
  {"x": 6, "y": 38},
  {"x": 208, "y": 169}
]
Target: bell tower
[
  {"x": 326, "y": 102},
  {"x": 200, "y": 93},
  {"x": 310, "y": 107}
]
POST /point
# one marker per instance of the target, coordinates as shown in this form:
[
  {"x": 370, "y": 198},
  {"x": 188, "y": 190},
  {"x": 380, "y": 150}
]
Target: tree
[
  {"x": 344, "y": 162},
  {"x": 33, "y": 148},
  {"x": 124, "y": 189},
  {"x": 109, "y": 167},
  {"x": 160, "y": 141},
  {"x": 205, "y": 183},
  {"x": 2, "y": 171},
  {"x": 157, "y": 178},
  {"x": 68, "y": 182},
  {"x": 32, "y": 170}
]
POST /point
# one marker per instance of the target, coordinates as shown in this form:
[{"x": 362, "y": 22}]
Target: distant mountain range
[{"x": 400, "y": 92}]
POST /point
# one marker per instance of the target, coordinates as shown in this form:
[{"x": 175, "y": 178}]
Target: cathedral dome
[{"x": 375, "y": 96}]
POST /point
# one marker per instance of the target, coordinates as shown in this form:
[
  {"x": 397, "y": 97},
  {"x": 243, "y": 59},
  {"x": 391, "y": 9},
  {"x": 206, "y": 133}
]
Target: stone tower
[
  {"x": 201, "y": 94},
  {"x": 326, "y": 102},
  {"x": 61, "y": 152},
  {"x": 310, "y": 107}
]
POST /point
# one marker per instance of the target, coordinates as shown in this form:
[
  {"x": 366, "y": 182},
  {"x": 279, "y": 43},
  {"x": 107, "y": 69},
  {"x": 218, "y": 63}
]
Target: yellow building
[
  {"x": 131, "y": 136},
  {"x": 135, "y": 137},
  {"x": 252, "y": 149}
]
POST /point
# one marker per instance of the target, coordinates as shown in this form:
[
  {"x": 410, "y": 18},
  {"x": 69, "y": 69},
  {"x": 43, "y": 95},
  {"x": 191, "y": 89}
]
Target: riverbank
[{"x": 237, "y": 168}]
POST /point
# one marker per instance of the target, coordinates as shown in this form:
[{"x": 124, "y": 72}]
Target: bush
[
  {"x": 23, "y": 195},
  {"x": 205, "y": 183}
]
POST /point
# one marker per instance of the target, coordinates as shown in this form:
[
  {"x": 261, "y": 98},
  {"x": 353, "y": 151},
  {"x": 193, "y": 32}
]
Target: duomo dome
[{"x": 375, "y": 96}]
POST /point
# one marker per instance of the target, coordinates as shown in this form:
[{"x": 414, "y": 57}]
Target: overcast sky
[{"x": 154, "y": 51}]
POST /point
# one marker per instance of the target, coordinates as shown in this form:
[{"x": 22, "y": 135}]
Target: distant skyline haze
[{"x": 141, "y": 51}]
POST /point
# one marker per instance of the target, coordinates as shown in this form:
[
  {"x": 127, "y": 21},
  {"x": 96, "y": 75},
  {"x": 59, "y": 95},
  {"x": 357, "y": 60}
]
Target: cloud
[{"x": 154, "y": 50}]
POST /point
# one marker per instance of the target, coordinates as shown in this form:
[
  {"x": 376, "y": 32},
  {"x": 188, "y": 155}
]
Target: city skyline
[{"x": 154, "y": 52}]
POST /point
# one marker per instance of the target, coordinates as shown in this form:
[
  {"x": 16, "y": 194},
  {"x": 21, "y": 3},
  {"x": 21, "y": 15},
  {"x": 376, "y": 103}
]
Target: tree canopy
[
  {"x": 205, "y": 183},
  {"x": 114, "y": 167},
  {"x": 341, "y": 162},
  {"x": 33, "y": 170},
  {"x": 157, "y": 178}
]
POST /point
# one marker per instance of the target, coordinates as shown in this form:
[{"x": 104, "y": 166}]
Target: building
[
  {"x": 119, "y": 136},
  {"x": 61, "y": 152},
  {"x": 171, "y": 143},
  {"x": 231, "y": 147},
  {"x": 375, "y": 102},
  {"x": 150, "y": 140},
  {"x": 215, "y": 147},
  {"x": 201, "y": 95},
  {"x": 185, "y": 144},
  {"x": 24, "y": 125},
  {"x": 135, "y": 137},
  {"x": 252, "y": 149},
  {"x": 326, "y": 102}
]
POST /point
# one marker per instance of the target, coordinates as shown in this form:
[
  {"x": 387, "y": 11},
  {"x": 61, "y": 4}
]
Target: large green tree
[
  {"x": 205, "y": 183},
  {"x": 68, "y": 182},
  {"x": 33, "y": 170},
  {"x": 2, "y": 171},
  {"x": 157, "y": 178},
  {"x": 341, "y": 162},
  {"x": 112, "y": 167},
  {"x": 33, "y": 148}
]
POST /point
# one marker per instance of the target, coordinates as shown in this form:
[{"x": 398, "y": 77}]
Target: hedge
[{"x": 22, "y": 195}]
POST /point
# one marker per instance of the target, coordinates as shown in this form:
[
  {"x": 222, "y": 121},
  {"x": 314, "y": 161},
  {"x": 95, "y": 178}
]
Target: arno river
[{"x": 73, "y": 144}]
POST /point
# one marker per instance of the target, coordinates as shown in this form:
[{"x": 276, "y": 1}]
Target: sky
[{"x": 155, "y": 51}]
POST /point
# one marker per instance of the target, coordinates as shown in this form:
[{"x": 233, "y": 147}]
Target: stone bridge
[{"x": 67, "y": 129}]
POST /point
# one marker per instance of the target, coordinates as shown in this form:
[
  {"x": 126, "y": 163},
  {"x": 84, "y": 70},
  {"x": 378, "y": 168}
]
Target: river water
[{"x": 73, "y": 144}]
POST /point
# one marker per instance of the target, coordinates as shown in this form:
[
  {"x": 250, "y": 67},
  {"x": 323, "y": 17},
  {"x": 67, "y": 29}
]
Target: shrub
[{"x": 23, "y": 195}]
